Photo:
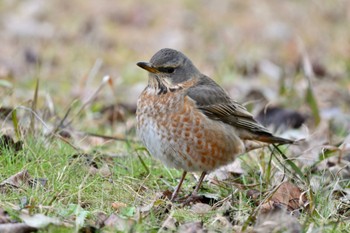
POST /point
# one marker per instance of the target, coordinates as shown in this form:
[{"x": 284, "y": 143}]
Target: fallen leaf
[
  {"x": 6, "y": 142},
  {"x": 118, "y": 223},
  {"x": 16, "y": 228},
  {"x": 100, "y": 219},
  {"x": 287, "y": 196},
  {"x": 104, "y": 170},
  {"x": 277, "y": 221},
  {"x": 226, "y": 172},
  {"x": 222, "y": 222},
  {"x": 201, "y": 208},
  {"x": 4, "y": 112},
  {"x": 39, "y": 221},
  {"x": 4, "y": 217},
  {"x": 168, "y": 225},
  {"x": 253, "y": 194},
  {"x": 192, "y": 227},
  {"x": 86, "y": 159},
  {"x": 37, "y": 181},
  {"x": 15, "y": 181},
  {"x": 118, "y": 205}
]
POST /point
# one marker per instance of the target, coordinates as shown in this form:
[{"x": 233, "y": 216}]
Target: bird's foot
[{"x": 191, "y": 199}]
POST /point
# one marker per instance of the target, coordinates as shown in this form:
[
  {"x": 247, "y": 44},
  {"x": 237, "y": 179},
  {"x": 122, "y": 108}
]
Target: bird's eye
[{"x": 168, "y": 70}]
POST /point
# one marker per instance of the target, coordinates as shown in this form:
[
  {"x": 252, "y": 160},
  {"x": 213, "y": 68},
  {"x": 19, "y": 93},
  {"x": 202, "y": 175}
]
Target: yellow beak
[{"x": 147, "y": 66}]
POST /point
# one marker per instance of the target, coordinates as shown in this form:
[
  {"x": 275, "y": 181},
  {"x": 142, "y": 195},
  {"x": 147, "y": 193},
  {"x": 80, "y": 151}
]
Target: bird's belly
[{"x": 179, "y": 135}]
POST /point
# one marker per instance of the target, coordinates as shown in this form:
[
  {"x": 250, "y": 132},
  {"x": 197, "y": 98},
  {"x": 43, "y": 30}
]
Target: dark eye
[{"x": 168, "y": 70}]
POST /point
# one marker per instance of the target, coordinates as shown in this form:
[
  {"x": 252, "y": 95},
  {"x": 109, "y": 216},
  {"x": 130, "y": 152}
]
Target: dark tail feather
[{"x": 274, "y": 140}]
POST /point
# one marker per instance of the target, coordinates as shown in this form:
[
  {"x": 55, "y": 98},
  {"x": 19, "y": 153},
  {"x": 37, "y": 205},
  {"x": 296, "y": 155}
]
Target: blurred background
[
  {"x": 288, "y": 62},
  {"x": 253, "y": 48}
]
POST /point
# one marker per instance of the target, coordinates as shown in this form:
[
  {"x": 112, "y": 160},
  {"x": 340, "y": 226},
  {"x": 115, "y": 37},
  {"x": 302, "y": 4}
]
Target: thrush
[{"x": 187, "y": 121}]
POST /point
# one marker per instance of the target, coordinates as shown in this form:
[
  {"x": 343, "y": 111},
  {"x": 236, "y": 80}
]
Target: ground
[{"x": 69, "y": 156}]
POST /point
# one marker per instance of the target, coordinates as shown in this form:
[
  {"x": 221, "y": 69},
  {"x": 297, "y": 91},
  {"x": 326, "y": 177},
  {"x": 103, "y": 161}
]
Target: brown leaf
[
  {"x": 39, "y": 220},
  {"x": 118, "y": 205},
  {"x": 16, "y": 228},
  {"x": 222, "y": 222},
  {"x": 253, "y": 194},
  {"x": 192, "y": 227},
  {"x": 6, "y": 142},
  {"x": 226, "y": 172},
  {"x": 4, "y": 217},
  {"x": 201, "y": 208},
  {"x": 100, "y": 219},
  {"x": 288, "y": 196},
  {"x": 4, "y": 112},
  {"x": 104, "y": 170},
  {"x": 169, "y": 225},
  {"x": 15, "y": 181},
  {"x": 37, "y": 181},
  {"x": 118, "y": 223},
  {"x": 277, "y": 221}
]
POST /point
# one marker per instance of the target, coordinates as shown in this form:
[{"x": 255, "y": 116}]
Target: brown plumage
[{"x": 187, "y": 120}]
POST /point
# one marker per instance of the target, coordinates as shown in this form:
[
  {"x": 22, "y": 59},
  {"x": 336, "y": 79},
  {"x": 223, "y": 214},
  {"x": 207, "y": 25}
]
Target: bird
[{"x": 188, "y": 122}]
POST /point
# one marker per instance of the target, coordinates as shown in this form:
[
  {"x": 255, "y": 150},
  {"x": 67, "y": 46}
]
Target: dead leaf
[
  {"x": 16, "y": 228},
  {"x": 39, "y": 221},
  {"x": 287, "y": 196},
  {"x": 335, "y": 166},
  {"x": 226, "y": 172},
  {"x": 100, "y": 219},
  {"x": 253, "y": 194},
  {"x": 168, "y": 225},
  {"x": 222, "y": 222},
  {"x": 37, "y": 181},
  {"x": 192, "y": 227},
  {"x": 104, "y": 170},
  {"x": 118, "y": 223},
  {"x": 4, "y": 111},
  {"x": 118, "y": 205},
  {"x": 277, "y": 221},
  {"x": 6, "y": 142},
  {"x": 4, "y": 217},
  {"x": 15, "y": 181},
  {"x": 86, "y": 159},
  {"x": 88, "y": 229},
  {"x": 201, "y": 208}
]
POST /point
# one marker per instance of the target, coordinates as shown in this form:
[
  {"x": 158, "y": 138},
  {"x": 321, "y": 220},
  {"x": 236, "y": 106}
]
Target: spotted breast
[{"x": 175, "y": 132}]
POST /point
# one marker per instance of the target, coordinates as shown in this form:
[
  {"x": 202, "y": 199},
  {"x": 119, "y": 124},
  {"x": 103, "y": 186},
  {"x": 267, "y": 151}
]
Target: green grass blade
[
  {"x": 34, "y": 105},
  {"x": 311, "y": 101},
  {"x": 15, "y": 124}
]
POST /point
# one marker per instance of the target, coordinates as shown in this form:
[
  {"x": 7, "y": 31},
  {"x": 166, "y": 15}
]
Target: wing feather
[{"x": 213, "y": 101}]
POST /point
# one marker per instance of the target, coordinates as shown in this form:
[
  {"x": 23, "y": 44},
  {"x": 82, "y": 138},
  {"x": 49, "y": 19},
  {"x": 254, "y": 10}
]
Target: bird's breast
[{"x": 177, "y": 133}]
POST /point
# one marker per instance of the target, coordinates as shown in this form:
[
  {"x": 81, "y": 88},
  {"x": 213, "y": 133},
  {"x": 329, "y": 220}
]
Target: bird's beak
[{"x": 147, "y": 66}]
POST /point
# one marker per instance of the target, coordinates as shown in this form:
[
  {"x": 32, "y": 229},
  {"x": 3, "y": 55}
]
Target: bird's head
[{"x": 170, "y": 68}]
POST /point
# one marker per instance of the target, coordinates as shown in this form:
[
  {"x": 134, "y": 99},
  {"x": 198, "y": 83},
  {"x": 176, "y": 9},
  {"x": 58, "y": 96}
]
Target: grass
[
  {"x": 76, "y": 189},
  {"x": 104, "y": 177}
]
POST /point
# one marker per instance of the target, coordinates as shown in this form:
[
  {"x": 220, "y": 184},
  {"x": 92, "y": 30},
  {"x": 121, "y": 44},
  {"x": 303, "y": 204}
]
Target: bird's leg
[
  {"x": 201, "y": 178},
  {"x": 193, "y": 197},
  {"x": 176, "y": 191}
]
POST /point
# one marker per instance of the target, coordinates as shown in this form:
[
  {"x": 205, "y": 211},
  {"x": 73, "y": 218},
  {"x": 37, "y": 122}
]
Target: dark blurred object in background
[{"x": 280, "y": 118}]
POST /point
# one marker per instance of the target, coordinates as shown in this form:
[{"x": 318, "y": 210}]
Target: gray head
[{"x": 171, "y": 65}]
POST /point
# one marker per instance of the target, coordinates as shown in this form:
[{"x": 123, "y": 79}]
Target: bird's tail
[{"x": 274, "y": 140}]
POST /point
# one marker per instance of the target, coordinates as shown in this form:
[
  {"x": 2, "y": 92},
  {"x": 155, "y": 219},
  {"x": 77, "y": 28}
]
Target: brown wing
[{"x": 213, "y": 101}]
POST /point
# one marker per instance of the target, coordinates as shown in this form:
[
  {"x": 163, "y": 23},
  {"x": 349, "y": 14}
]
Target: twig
[{"x": 91, "y": 97}]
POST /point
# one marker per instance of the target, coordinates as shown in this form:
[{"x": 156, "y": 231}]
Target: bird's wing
[{"x": 213, "y": 101}]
